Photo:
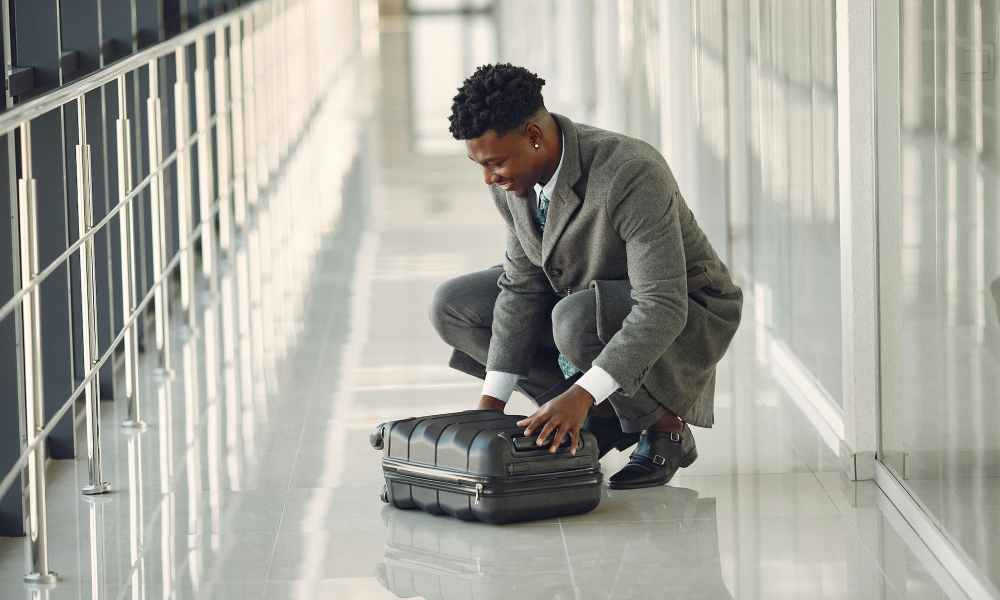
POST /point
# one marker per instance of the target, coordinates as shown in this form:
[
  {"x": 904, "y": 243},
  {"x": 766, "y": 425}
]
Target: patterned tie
[{"x": 542, "y": 214}]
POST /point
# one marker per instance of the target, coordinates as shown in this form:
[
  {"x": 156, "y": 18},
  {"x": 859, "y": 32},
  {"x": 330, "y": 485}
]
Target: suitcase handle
[{"x": 525, "y": 443}]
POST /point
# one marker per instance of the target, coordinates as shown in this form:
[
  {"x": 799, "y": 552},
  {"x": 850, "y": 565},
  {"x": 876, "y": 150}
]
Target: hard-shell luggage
[{"x": 478, "y": 465}]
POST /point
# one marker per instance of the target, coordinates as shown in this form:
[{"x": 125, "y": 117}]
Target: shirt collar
[{"x": 550, "y": 187}]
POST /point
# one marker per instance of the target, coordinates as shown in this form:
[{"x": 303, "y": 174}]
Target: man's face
[{"x": 508, "y": 161}]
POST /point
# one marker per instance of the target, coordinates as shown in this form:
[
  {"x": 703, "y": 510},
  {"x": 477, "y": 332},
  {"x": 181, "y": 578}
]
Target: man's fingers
[
  {"x": 560, "y": 434},
  {"x": 574, "y": 440},
  {"x": 529, "y": 422},
  {"x": 526, "y": 423},
  {"x": 546, "y": 431}
]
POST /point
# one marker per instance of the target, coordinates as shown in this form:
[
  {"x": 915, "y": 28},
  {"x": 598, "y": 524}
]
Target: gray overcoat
[{"x": 667, "y": 306}]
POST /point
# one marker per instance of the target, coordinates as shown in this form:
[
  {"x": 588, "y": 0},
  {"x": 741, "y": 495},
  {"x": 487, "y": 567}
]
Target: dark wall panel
[
  {"x": 79, "y": 36},
  {"x": 57, "y": 342},
  {"x": 111, "y": 198},
  {"x": 71, "y": 135},
  {"x": 11, "y": 516},
  {"x": 116, "y": 19},
  {"x": 36, "y": 43},
  {"x": 104, "y": 270},
  {"x": 149, "y": 23},
  {"x": 137, "y": 85},
  {"x": 171, "y": 17}
]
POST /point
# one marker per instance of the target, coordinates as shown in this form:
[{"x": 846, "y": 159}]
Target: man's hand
[
  {"x": 491, "y": 403},
  {"x": 563, "y": 415}
]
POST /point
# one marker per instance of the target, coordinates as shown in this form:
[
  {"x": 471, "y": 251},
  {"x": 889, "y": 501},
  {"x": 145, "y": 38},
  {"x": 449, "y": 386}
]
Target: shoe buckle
[
  {"x": 659, "y": 460},
  {"x": 675, "y": 437}
]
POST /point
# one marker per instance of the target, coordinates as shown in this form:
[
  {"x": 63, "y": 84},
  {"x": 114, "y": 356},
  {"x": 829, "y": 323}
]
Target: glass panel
[
  {"x": 940, "y": 273},
  {"x": 793, "y": 205}
]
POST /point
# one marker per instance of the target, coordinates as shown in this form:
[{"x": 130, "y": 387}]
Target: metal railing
[{"x": 255, "y": 122}]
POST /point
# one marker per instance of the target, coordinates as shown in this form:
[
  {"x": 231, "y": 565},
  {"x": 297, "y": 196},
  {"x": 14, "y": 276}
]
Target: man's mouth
[{"x": 507, "y": 186}]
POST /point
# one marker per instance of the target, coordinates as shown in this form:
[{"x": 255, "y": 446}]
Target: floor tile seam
[
  {"x": 326, "y": 325},
  {"x": 783, "y": 518},
  {"x": 175, "y": 482},
  {"x": 694, "y": 477},
  {"x": 597, "y": 520},
  {"x": 879, "y": 564},
  {"x": 275, "y": 537},
  {"x": 872, "y": 553},
  {"x": 295, "y": 461},
  {"x": 828, "y": 495},
  {"x": 203, "y": 424},
  {"x": 566, "y": 554}
]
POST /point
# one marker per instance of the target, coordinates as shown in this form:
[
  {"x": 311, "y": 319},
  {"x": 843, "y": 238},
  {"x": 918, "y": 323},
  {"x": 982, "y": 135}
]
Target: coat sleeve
[
  {"x": 642, "y": 207},
  {"x": 521, "y": 311}
]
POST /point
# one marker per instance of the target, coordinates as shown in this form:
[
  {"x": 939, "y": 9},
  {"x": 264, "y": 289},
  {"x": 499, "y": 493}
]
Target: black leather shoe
[
  {"x": 656, "y": 459},
  {"x": 609, "y": 434}
]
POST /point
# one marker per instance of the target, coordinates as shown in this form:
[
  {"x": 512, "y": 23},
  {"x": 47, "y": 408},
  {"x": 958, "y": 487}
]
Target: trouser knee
[
  {"x": 574, "y": 328},
  {"x": 456, "y": 307}
]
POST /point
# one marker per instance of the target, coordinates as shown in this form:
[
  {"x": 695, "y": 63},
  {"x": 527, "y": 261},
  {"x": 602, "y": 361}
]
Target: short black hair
[{"x": 499, "y": 97}]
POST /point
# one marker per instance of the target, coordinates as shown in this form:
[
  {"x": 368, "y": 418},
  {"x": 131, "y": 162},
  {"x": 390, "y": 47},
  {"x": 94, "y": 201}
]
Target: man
[{"x": 611, "y": 309}]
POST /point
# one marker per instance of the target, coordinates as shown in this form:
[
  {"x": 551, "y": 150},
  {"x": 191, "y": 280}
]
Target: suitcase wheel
[{"x": 377, "y": 437}]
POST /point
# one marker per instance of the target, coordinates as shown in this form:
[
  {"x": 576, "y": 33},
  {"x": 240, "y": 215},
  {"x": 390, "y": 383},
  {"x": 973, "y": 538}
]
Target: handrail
[
  {"x": 15, "y": 300},
  {"x": 43, "y": 434},
  {"x": 36, "y": 107},
  {"x": 16, "y": 469}
]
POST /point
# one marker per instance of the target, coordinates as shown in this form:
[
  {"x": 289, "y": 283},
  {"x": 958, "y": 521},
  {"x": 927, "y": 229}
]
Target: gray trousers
[{"x": 462, "y": 313}]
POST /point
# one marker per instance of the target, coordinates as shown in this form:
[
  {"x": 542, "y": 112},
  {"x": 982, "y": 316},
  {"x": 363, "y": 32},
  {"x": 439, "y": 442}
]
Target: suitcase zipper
[{"x": 476, "y": 486}]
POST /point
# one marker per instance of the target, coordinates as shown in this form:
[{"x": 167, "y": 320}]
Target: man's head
[{"x": 500, "y": 114}]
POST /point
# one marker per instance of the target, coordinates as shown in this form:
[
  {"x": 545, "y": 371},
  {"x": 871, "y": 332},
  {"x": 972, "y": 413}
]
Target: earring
[{"x": 536, "y": 146}]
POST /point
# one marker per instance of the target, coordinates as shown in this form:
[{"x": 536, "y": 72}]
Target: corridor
[{"x": 253, "y": 477}]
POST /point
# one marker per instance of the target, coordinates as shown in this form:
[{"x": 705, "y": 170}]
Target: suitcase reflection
[{"x": 635, "y": 556}]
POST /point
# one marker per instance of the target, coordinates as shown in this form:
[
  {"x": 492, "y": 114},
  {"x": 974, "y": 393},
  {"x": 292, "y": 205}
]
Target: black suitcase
[{"x": 478, "y": 466}]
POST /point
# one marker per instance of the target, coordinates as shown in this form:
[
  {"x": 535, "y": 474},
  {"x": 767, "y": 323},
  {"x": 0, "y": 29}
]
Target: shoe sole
[{"x": 689, "y": 458}]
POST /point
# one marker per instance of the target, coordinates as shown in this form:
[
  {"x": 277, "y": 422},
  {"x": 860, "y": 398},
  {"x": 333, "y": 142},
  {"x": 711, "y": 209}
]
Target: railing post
[
  {"x": 156, "y": 196},
  {"x": 127, "y": 244},
  {"x": 206, "y": 192},
  {"x": 222, "y": 144},
  {"x": 185, "y": 222},
  {"x": 250, "y": 110},
  {"x": 36, "y": 520},
  {"x": 88, "y": 304},
  {"x": 239, "y": 149}
]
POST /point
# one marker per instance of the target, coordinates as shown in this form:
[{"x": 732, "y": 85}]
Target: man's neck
[{"x": 556, "y": 156}]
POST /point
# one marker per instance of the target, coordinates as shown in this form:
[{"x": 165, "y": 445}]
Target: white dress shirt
[{"x": 597, "y": 381}]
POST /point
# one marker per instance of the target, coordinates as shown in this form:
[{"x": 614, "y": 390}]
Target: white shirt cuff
[
  {"x": 598, "y": 382},
  {"x": 499, "y": 385}
]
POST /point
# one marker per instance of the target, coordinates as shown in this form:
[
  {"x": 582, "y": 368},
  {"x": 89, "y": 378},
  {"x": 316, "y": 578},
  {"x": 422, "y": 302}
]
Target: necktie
[
  {"x": 542, "y": 209},
  {"x": 542, "y": 214}
]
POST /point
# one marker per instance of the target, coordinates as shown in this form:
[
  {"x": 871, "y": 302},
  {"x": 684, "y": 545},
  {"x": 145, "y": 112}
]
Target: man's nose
[{"x": 489, "y": 176}]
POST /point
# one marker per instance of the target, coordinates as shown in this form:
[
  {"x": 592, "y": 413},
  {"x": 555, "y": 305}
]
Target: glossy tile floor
[{"x": 254, "y": 477}]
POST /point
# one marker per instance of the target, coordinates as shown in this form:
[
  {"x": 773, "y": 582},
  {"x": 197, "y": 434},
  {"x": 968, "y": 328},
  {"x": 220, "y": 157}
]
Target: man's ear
[{"x": 533, "y": 132}]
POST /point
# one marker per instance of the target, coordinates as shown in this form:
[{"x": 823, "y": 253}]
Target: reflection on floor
[{"x": 254, "y": 478}]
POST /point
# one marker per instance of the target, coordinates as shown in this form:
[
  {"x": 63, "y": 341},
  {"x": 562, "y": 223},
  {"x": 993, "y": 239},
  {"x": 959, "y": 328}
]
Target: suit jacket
[{"x": 617, "y": 223}]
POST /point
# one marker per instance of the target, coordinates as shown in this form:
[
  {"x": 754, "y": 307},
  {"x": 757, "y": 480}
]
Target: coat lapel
[
  {"x": 522, "y": 211},
  {"x": 565, "y": 202}
]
